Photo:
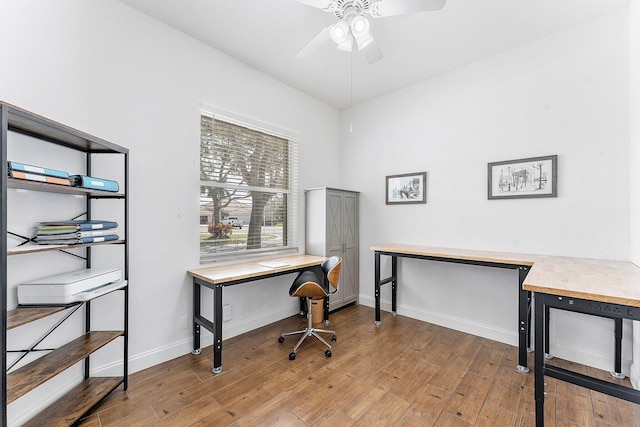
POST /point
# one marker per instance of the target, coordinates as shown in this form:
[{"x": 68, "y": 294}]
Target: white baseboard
[
  {"x": 448, "y": 321},
  {"x": 575, "y": 354},
  {"x": 231, "y": 329}
]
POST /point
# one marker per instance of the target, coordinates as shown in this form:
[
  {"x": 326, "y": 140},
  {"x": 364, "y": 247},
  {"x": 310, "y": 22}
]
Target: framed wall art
[
  {"x": 406, "y": 188},
  {"x": 524, "y": 178}
]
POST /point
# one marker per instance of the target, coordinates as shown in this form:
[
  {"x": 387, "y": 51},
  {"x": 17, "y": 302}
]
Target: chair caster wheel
[
  {"x": 292, "y": 356},
  {"x": 334, "y": 337},
  {"x": 281, "y": 339},
  {"x": 327, "y": 353}
]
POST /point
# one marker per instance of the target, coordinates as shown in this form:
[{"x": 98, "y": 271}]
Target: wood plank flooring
[{"x": 404, "y": 373}]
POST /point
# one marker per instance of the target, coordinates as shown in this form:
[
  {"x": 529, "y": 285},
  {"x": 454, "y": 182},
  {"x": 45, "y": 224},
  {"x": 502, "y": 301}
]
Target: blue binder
[
  {"x": 94, "y": 183},
  {"x": 78, "y": 240},
  {"x": 74, "y": 225},
  {"x": 17, "y": 166}
]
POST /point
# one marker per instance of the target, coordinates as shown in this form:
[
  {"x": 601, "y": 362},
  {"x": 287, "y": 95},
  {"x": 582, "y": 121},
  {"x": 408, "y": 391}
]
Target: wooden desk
[
  {"x": 217, "y": 277},
  {"x": 520, "y": 262},
  {"x": 598, "y": 287}
]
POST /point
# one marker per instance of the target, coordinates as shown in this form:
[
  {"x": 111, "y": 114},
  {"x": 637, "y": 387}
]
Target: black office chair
[{"x": 307, "y": 285}]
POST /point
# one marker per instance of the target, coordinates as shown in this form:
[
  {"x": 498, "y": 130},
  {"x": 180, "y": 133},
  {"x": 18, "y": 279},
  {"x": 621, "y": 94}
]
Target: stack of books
[
  {"x": 37, "y": 173},
  {"x": 76, "y": 232}
]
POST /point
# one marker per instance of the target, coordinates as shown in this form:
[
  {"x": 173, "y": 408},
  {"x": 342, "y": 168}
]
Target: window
[{"x": 248, "y": 189}]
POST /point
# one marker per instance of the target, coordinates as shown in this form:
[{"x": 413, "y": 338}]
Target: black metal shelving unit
[{"x": 16, "y": 384}]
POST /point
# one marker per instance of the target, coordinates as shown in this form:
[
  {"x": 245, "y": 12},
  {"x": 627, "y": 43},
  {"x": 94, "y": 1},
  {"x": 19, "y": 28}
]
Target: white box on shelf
[{"x": 70, "y": 287}]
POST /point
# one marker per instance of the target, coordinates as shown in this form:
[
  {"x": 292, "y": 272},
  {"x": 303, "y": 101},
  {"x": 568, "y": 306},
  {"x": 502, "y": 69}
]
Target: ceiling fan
[{"x": 353, "y": 25}]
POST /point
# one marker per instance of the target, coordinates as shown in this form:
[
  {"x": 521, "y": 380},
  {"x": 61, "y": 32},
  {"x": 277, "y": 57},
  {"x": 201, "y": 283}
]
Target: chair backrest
[{"x": 331, "y": 269}]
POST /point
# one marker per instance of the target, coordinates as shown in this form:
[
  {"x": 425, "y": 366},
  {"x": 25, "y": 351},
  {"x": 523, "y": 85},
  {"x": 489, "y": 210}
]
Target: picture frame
[
  {"x": 531, "y": 177},
  {"x": 408, "y": 188}
]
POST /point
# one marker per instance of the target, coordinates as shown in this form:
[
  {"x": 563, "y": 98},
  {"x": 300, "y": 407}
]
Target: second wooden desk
[{"x": 520, "y": 262}]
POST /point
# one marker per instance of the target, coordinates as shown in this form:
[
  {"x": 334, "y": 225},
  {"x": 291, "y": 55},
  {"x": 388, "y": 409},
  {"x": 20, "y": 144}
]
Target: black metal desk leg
[
  {"x": 617, "y": 373},
  {"x": 217, "y": 334},
  {"x": 547, "y": 346},
  {"x": 524, "y": 302},
  {"x": 394, "y": 286},
  {"x": 196, "y": 315},
  {"x": 538, "y": 367},
  {"x": 376, "y": 260},
  {"x": 617, "y": 370}
]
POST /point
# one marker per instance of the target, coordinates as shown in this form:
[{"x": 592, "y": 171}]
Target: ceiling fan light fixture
[
  {"x": 353, "y": 25},
  {"x": 360, "y": 26},
  {"x": 364, "y": 40},
  {"x": 339, "y": 32},
  {"x": 360, "y": 29},
  {"x": 347, "y": 44}
]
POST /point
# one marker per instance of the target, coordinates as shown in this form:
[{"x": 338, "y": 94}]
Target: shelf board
[
  {"x": 35, "y": 373},
  {"x": 28, "y": 123},
  {"x": 33, "y": 248},
  {"x": 23, "y": 315},
  {"x": 22, "y": 184},
  {"x": 73, "y": 405}
]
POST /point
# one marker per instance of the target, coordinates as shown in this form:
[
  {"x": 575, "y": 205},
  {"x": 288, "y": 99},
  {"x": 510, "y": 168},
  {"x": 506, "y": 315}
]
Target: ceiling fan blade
[
  {"x": 315, "y": 43},
  {"x": 384, "y": 8},
  {"x": 372, "y": 52},
  {"x": 320, "y": 4}
]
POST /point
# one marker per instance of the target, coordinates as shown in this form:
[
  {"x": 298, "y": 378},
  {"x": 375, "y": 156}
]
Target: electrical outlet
[{"x": 226, "y": 312}]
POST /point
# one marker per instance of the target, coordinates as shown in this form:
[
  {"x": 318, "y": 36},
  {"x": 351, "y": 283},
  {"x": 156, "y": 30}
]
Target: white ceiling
[{"x": 266, "y": 35}]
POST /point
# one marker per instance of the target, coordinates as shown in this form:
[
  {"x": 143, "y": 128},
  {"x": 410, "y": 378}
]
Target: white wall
[
  {"x": 108, "y": 70},
  {"x": 634, "y": 126},
  {"x": 634, "y": 138},
  {"x": 112, "y": 72},
  {"x": 566, "y": 94}
]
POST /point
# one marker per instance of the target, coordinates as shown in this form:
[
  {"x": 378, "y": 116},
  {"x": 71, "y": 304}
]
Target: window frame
[{"x": 291, "y": 230}]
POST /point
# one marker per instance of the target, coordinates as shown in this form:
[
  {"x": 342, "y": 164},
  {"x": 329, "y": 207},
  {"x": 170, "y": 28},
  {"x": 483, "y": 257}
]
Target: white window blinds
[{"x": 248, "y": 189}]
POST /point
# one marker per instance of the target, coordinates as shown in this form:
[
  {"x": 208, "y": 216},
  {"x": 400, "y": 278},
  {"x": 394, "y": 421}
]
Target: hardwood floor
[{"x": 404, "y": 373}]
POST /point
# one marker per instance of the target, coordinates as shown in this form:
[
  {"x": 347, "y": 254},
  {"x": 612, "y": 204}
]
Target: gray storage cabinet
[{"x": 332, "y": 229}]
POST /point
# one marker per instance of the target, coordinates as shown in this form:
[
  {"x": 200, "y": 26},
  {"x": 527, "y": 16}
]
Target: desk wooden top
[
  {"x": 616, "y": 282},
  {"x": 463, "y": 254},
  {"x": 252, "y": 270}
]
